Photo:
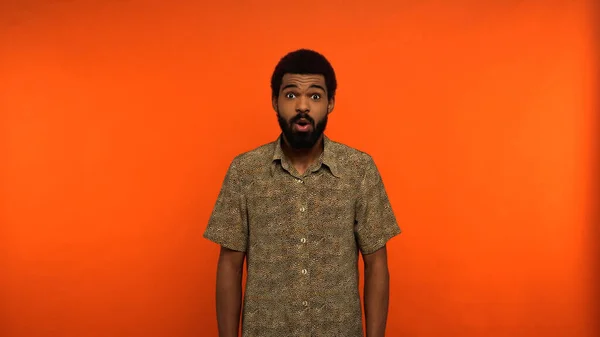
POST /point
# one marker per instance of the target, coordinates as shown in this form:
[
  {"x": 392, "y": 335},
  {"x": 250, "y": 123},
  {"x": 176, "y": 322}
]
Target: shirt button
[
  {"x": 304, "y": 303},
  {"x": 299, "y": 181},
  {"x": 303, "y": 240},
  {"x": 302, "y": 209},
  {"x": 304, "y": 271}
]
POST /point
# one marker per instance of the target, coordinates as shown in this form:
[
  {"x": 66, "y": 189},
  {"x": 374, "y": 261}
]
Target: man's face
[{"x": 302, "y": 109}]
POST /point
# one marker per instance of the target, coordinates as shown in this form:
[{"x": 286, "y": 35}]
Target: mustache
[{"x": 302, "y": 116}]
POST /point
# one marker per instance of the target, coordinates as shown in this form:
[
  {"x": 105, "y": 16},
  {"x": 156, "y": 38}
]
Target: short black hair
[{"x": 304, "y": 61}]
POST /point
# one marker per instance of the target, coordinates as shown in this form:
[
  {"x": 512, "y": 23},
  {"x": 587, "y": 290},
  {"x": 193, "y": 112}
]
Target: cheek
[
  {"x": 319, "y": 110},
  {"x": 286, "y": 110}
]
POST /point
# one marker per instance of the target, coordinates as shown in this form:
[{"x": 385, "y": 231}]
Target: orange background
[{"x": 119, "y": 119}]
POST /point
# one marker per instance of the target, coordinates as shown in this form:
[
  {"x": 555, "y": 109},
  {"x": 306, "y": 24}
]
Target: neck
[{"x": 302, "y": 158}]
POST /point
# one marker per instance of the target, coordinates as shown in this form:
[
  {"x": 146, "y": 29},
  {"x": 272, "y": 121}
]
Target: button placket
[{"x": 303, "y": 233}]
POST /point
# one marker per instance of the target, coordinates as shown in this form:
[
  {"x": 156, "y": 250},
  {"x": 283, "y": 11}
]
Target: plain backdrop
[{"x": 118, "y": 120}]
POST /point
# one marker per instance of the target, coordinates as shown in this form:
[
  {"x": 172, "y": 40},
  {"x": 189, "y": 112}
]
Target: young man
[{"x": 299, "y": 210}]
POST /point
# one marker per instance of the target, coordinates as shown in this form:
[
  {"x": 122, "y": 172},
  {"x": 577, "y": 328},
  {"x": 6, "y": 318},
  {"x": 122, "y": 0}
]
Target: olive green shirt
[{"x": 302, "y": 235}]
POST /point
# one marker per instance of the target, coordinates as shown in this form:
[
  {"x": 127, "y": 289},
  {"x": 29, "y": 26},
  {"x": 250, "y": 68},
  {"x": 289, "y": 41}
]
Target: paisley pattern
[{"x": 302, "y": 235}]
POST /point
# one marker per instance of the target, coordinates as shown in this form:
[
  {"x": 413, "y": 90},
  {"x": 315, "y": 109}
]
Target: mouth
[{"x": 302, "y": 125}]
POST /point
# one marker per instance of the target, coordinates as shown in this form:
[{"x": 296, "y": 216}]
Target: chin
[{"x": 304, "y": 141}]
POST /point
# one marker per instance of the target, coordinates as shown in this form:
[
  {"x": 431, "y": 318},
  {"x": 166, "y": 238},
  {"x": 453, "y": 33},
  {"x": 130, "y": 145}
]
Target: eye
[
  {"x": 290, "y": 95},
  {"x": 315, "y": 97}
]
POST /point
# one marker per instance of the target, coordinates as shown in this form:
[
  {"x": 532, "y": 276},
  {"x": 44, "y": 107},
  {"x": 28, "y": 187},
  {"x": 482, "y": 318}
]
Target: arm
[
  {"x": 229, "y": 291},
  {"x": 228, "y": 227},
  {"x": 375, "y": 225},
  {"x": 376, "y": 292}
]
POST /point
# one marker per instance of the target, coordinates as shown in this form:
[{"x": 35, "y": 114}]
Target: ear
[
  {"x": 330, "y": 105},
  {"x": 274, "y": 103}
]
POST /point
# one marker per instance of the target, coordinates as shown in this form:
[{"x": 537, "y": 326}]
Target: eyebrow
[{"x": 295, "y": 86}]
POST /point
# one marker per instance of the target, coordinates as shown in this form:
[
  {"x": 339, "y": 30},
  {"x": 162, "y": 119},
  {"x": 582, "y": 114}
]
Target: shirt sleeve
[
  {"x": 375, "y": 221},
  {"x": 227, "y": 225}
]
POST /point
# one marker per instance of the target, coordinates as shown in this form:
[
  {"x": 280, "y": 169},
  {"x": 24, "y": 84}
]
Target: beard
[{"x": 302, "y": 140}]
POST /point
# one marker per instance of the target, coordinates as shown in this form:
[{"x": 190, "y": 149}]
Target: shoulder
[
  {"x": 351, "y": 158},
  {"x": 254, "y": 160}
]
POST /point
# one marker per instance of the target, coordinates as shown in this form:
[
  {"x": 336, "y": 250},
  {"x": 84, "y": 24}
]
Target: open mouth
[{"x": 302, "y": 125}]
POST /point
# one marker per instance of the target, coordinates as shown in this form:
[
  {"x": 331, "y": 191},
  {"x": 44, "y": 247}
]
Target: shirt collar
[{"x": 328, "y": 156}]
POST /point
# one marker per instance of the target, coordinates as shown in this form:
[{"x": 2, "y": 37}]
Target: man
[{"x": 299, "y": 210}]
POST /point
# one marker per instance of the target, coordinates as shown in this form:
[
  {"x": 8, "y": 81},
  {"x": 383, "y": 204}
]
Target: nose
[{"x": 302, "y": 105}]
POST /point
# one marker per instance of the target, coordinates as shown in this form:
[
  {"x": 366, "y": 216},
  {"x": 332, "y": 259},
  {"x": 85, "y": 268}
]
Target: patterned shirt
[{"x": 301, "y": 234}]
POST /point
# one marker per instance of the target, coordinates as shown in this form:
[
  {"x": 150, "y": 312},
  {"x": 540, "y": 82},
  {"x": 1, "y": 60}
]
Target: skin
[
  {"x": 376, "y": 292},
  {"x": 302, "y": 94},
  {"x": 229, "y": 291}
]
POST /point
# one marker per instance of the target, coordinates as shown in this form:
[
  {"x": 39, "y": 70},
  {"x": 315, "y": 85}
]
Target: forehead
[{"x": 303, "y": 80}]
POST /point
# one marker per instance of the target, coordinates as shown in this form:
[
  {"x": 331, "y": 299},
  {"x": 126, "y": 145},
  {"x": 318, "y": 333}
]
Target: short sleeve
[
  {"x": 227, "y": 225},
  {"x": 376, "y": 223}
]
